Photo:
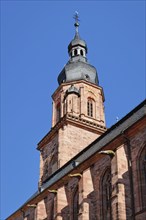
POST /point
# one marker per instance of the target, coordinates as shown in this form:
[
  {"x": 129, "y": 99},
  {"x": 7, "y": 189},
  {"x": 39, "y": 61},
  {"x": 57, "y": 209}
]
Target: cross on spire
[{"x": 76, "y": 17}]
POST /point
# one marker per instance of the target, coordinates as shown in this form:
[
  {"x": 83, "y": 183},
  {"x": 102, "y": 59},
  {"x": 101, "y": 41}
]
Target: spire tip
[{"x": 76, "y": 17}]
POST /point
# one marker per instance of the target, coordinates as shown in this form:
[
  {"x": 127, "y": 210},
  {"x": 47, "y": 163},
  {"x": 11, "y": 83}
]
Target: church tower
[
  {"x": 81, "y": 180},
  {"x": 78, "y": 111}
]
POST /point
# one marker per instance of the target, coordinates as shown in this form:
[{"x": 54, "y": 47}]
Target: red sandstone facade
[{"x": 88, "y": 172}]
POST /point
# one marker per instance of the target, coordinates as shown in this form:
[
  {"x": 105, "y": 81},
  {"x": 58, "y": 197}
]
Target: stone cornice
[{"x": 76, "y": 121}]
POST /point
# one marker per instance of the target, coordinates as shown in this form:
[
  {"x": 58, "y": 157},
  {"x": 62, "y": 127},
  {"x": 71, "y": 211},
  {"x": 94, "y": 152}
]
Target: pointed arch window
[
  {"x": 142, "y": 177},
  {"x": 106, "y": 195},
  {"x": 90, "y": 107},
  {"x": 76, "y": 203}
]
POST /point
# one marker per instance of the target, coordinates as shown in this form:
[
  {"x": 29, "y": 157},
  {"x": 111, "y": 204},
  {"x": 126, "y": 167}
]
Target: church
[{"x": 88, "y": 171}]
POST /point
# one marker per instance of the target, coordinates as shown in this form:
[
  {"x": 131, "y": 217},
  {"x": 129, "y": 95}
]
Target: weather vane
[{"x": 76, "y": 17}]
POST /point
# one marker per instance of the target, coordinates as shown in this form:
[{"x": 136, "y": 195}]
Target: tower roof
[
  {"x": 77, "y": 41},
  {"x": 78, "y": 68}
]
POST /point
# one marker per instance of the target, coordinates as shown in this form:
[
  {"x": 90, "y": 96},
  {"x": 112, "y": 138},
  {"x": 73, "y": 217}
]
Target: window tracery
[{"x": 106, "y": 195}]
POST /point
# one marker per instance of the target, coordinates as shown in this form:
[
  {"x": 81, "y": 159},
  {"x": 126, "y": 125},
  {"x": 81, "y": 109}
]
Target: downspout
[{"x": 129, "y": 160}]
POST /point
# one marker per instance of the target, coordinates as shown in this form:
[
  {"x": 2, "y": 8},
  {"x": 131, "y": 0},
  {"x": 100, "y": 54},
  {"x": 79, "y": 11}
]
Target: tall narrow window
[
  {"x": 76, "y": 204},
  {"x": 142, "y": 175},
  {"x": 58, "y": 112},
  {"x": 50, "y": 205},
  {"x": 81, "y": 51},
  {"x": 106, "y": 195},
  {"x": 75, "y": 52},
  {"x": 90, "y": 104}
]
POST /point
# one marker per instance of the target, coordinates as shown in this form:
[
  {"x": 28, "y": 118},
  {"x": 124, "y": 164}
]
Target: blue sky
[{"x": 34, "y": 40}]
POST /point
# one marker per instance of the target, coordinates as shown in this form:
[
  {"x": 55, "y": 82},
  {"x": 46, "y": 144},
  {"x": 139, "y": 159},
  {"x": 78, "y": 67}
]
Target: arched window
[
  {"x": 75, "y": 52},
  {"x": 142, "y": 177},
  {"x": 90, "y": 105},
  {"x": 106, "y": 195},
  {"x": 81, "y": 52}
]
